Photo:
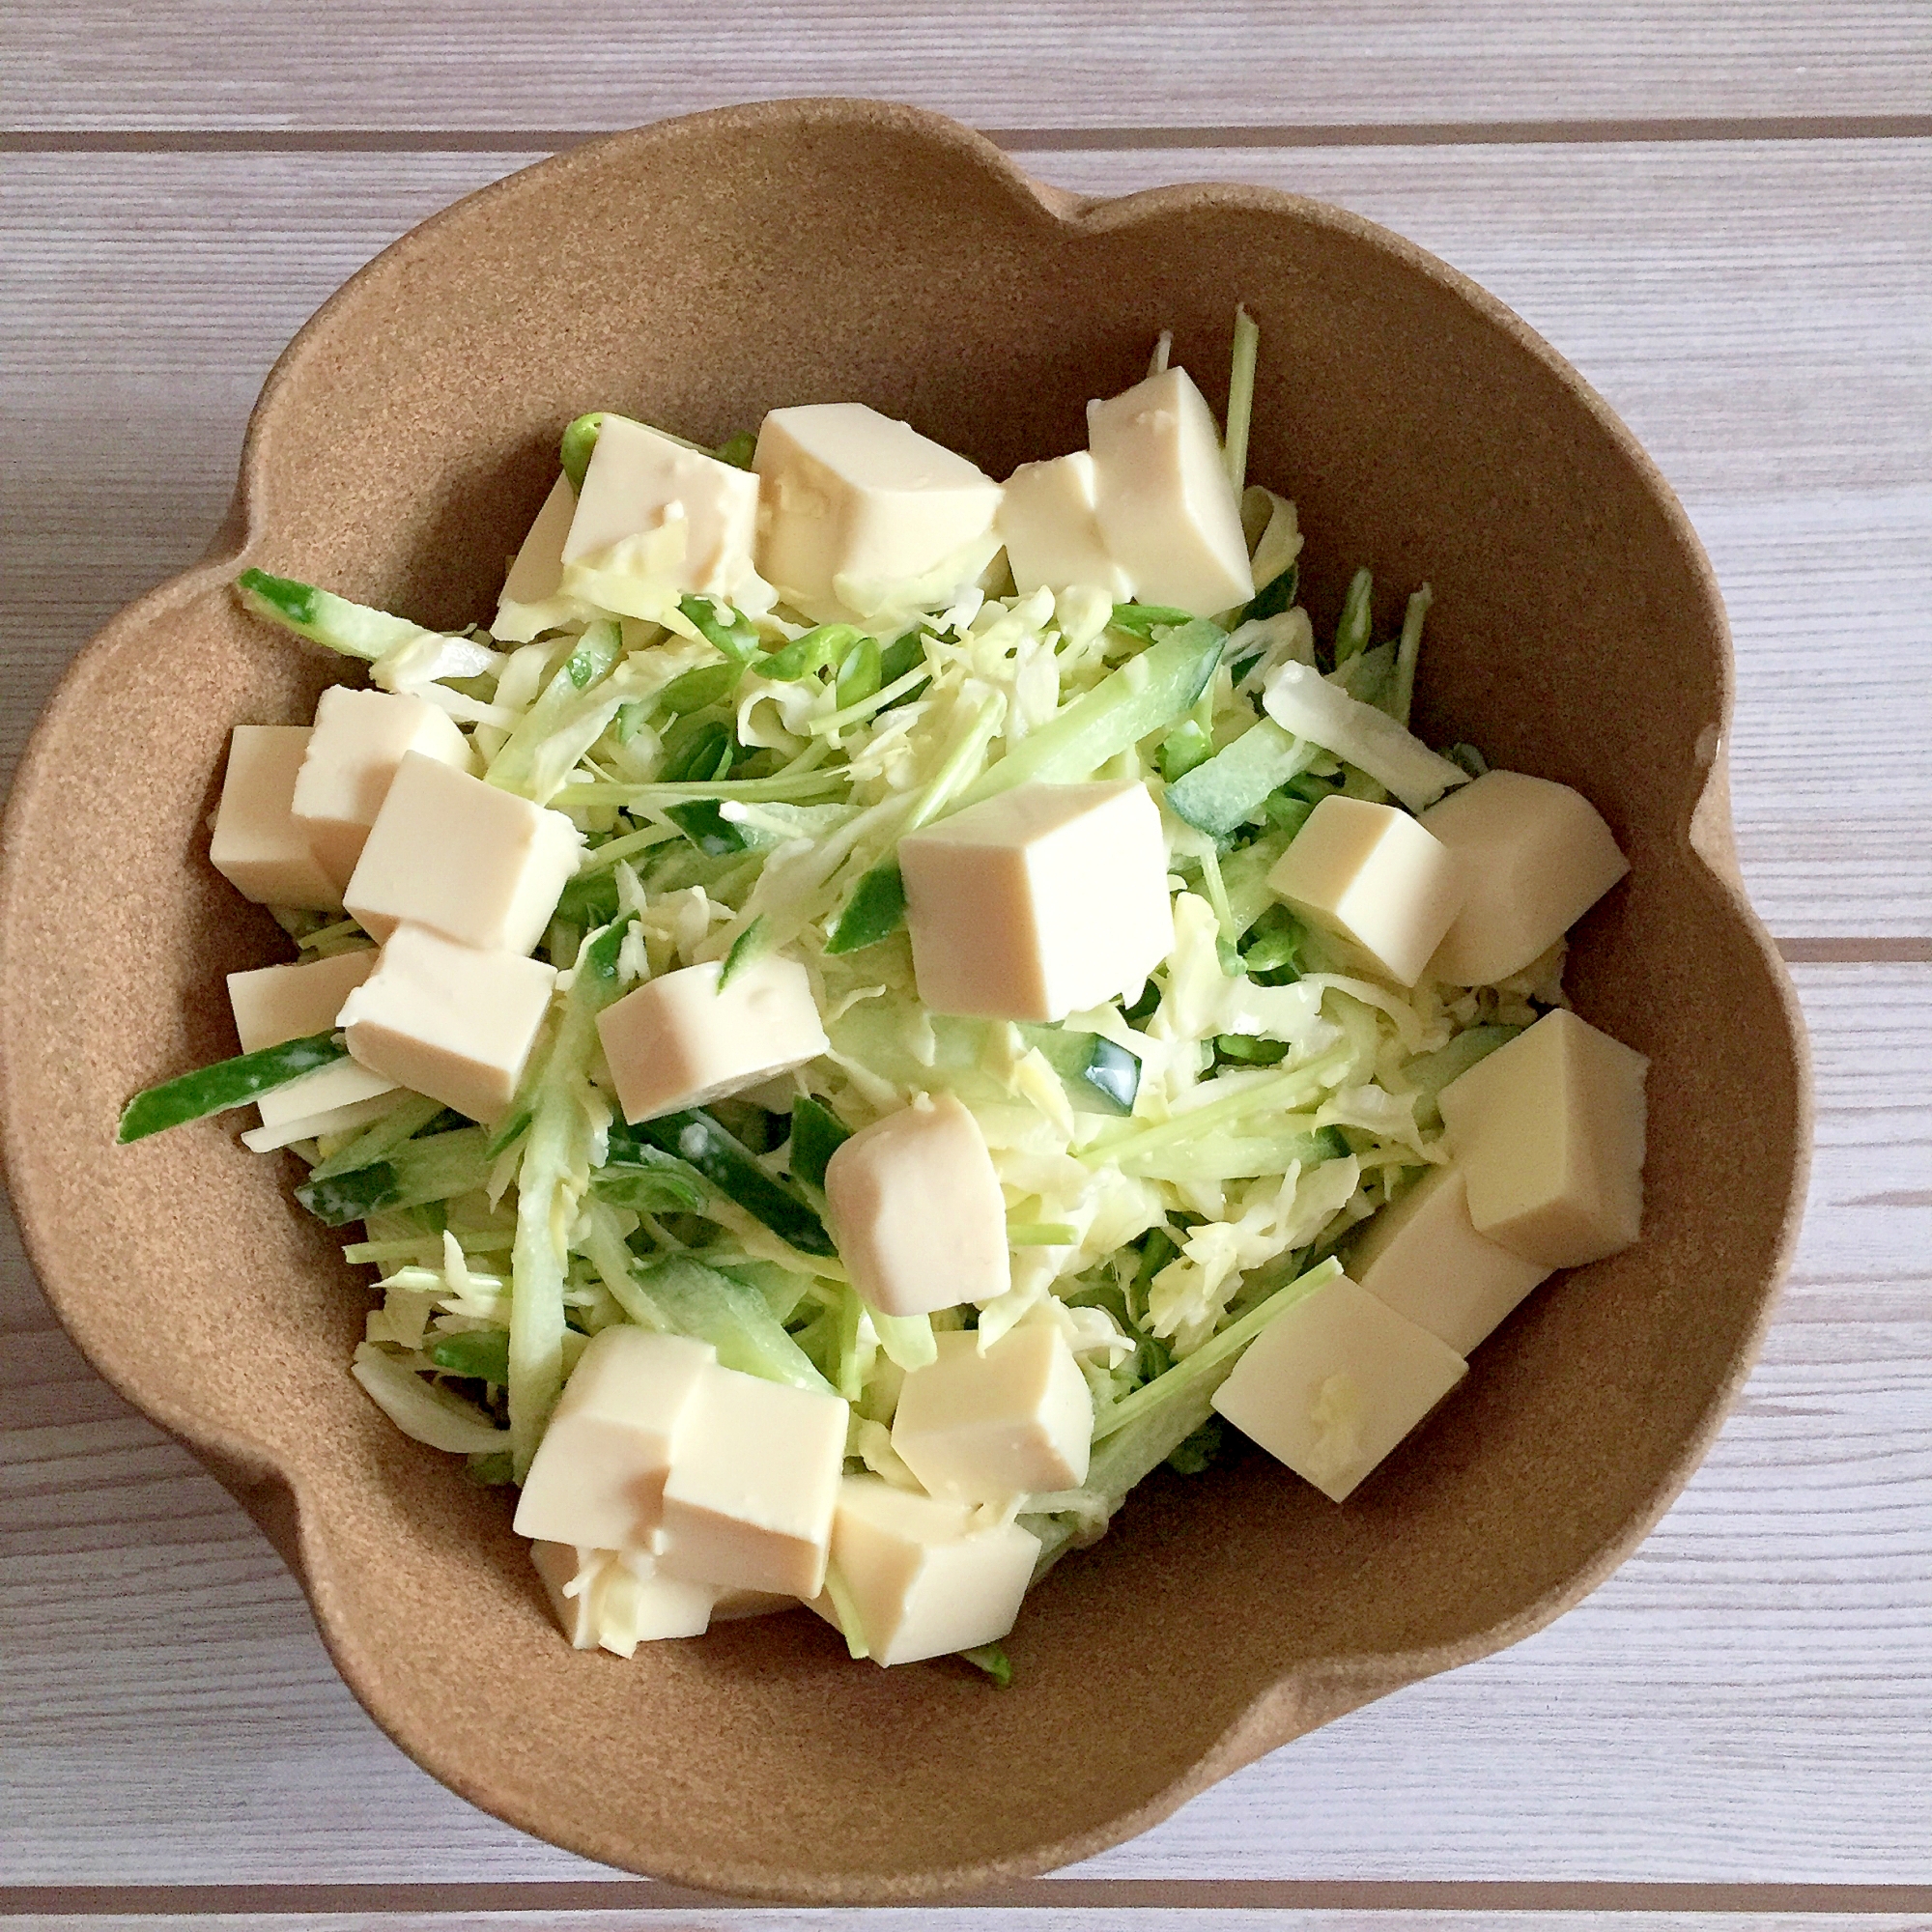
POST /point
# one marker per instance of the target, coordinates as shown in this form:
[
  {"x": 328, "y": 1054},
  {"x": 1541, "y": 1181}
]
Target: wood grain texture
[
  {"x": 1748, "y": 1699},
  {"x": 1758, "y": 312},
  {"x": 584, "y": 64},
  {"x": 974, "y": 1918}
]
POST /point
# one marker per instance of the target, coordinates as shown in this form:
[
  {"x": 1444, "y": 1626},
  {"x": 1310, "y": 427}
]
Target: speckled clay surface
[{"x": 695, "y": 274}]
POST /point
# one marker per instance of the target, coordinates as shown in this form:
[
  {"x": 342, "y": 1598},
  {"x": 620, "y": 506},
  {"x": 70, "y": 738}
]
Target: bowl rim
[{"x": 272, "y": 1495}]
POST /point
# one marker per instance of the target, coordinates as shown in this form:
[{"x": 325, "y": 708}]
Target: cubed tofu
[
  {"x": 257, "y": 846},
  {"x": 1333, "y": 1385},
  {"x": 279, "y": 1003},
  {"x": 619, "y": 1599},
  {"x": 857, "y": 507},
  {"x": 358, "y": 739},
  {"x": 639, "y": 483},
  {"x": 466, "y": 859},
  {"x": 981, "y": 1428},
  {"x": 448, "y": 1021},
  {"x": 753, "y": 1482},
  {"x": 1533, "y": 857},
  {"x": 1050, "y": 524},
  {"x": 678, "y": 1041},
  {"x": 569, "y": 1575},
  {"x": 598, "y": 1476},
  {"x": 917, "y": 1211},
  {"x": 925, "y": 1580},
  {"x": 1166, "y": 507},
  {"x": 1424, "y": 1257},
  {"x": 1040, "y": 901},
  {"x": 1371, "y": 875},
  {"x": 1549, "y": 1131},
  {"x": 537, "y": 571}
]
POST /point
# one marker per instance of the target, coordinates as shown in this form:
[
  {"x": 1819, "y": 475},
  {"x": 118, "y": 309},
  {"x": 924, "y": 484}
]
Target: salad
[{"x": 875, "y": 1008}]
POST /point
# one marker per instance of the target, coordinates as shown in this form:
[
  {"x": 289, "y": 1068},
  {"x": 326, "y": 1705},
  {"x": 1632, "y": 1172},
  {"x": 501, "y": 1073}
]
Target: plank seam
[
  {"x": 260, "y": 1902},
  {"x": 1018, "y": 140}
]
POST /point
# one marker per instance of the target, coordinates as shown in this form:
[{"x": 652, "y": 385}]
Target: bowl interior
[{"x": 695, "y": 276}]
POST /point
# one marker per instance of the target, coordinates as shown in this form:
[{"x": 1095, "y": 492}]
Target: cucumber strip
[
  {"x": 416, "y": 1173},
  {"x": 858, "y": 676},
  {"x": 993, "y": 1661},
  {"x": 1275, "y": 596},
  {"x": 1218, "y": 795},
  {"x": 1219, "y": 1353},
  {"x": 1148, "y": 692},
  {"x": 1351, "y": 630},
  {"x": 749, "y": 945},
  {"x": 737, "y": 1320},
  {"x": 1142, "y": 620},
  {"x": 410, "y": 1113},
  {"x": 721, "y": 624},
  {"x": 1241, "y": 396},
  {"x": 354, "y": 629},
  {"x": 1039, "y": 1234},
  {"x": 1401, "y": 695},
  {"x": 808, "y": 655},
  {"x": 730, "y": 1167},
  {"x": 649, "y": 1182},
  {"x": 1100, "y": 1076},
  {"x": 228, "y": 1083},
  {"x": 539, "y": 1257},
  {"x": 737, "y": 450},
  {"x": 579, "y": 441},
  {"x": 875, "y": 911},
  {"x": 693, "y": 690},
  {"x": 1184, "y": 749},
  {"x": 817, "y": 1133},
  {"x": 481, "y": 1352}
]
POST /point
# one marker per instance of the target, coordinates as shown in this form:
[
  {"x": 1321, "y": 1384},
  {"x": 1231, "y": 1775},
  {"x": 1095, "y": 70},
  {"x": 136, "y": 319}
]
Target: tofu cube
[
  {"x": 537, "y": 571},
  {"x": 279, "y": 1003},
  {"x": 639, "y": 483},
  {"x": 360, "y": 737},
  {"x": 569, "y": 1575},
  {"x": 1040, "y": 901},
  {"x": 1371, "y": 875},
  {"x": 858, "y": 508},
  {"x": 917, "y": 1211},
  {"x": 474, "y": 862},
  {"x": 1549, "y": 1132},
  {"x": 1533, "y": 857},
  {"x": 1050, "y": 524},
  {"x": 1423, "y": 1258},
  {"x": 598, "y": 1476},
  {"x": 1166, "y": 507},
  {"x": 982, "y": 1428},
  {"x": 924, "y": 1581},
  {"x": 257, "y": 846},
  {"x": 617, "y": 1598},
  {"x": 678, "y": 1041},
  {"x": 753, "y": 1485},
  {"x": 451, "y": 1022},
  {"x": 1333, "y": 1385}
]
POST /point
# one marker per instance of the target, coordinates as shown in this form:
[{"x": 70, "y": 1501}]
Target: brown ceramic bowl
[{"x": 696, "y": 274}]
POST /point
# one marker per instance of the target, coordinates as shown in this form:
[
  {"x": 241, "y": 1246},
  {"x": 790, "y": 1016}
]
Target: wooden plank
[
  {"x": 1747, "y": 1700},
  {"x": 152, "y": 293},
  {"x": 574, "y": 64},
  {"x": 1205, "y": 1918}
]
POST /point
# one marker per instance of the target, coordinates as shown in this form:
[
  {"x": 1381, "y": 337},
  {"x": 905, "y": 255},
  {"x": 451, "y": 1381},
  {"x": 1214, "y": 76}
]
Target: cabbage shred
[{"x": 1179, "y": 1165}]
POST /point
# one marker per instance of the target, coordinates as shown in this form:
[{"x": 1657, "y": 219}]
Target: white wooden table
[{"x": 1721, "y": 210}]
